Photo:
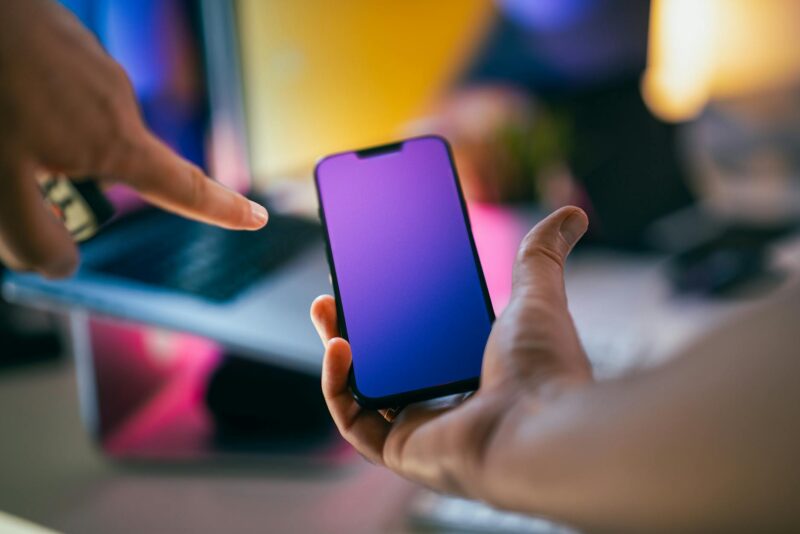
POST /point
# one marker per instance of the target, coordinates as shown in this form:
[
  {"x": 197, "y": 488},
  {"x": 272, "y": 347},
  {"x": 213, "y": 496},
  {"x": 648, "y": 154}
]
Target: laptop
[
  {"x": 250, "y": 291},
  {"x": 253, "y": 92}
]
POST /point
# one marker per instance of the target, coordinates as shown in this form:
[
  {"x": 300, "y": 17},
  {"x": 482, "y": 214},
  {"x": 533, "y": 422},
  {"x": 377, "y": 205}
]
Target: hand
[
  {"x": 533, "y": 352},
  {"x": 67, "y": 107}
]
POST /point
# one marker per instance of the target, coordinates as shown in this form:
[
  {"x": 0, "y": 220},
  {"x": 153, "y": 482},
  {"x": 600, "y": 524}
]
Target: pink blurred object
[
  {"x": 498, "y": 231},
  {"x": 157, "y": 375}
]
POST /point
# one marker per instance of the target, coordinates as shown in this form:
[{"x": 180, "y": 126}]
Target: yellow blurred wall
[{"x": 325, "y": 76}]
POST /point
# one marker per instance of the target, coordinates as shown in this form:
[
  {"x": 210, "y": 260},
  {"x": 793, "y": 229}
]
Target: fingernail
[
  {"x": 573, "y": 227},
  {"x": 259, "y": 212}
]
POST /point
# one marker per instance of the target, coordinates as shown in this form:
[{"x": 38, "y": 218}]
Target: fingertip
[
  {"x": 60, "y": 267},
  {"x": 320, "y": 305},
  {"x": 558, "y": 232},
  {"x": 545, "y": 249},
  {"x": 52, "y": 263},
  {"x": 323, "y": 317},
  {"x": 259, "y": 216},
  {"x": 314, "y": 309},
  {"x": 565, "y": 212},
  {"x": 573, "y": 225}
]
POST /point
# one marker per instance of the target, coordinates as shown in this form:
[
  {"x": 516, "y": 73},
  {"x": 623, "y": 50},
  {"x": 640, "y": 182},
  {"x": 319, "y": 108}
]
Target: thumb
[{"x": 539, "y": 269}]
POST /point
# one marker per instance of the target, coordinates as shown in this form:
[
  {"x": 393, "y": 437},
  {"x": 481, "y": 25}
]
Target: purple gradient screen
[{"x": 410, "y": 289}]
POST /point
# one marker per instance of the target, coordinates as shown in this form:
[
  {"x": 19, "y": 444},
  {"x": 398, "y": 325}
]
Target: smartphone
[{"x": 411, "y": 296}]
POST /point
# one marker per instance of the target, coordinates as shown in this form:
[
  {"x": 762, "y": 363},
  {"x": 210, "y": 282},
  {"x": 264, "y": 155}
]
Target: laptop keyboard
[{"x": 211, "y": 262}]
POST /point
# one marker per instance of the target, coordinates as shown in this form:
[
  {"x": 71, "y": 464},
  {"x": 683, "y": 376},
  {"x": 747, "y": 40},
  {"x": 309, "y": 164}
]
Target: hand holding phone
[
  {"x": 532, "y": 355},
  {"x": 411, "y": 295}
]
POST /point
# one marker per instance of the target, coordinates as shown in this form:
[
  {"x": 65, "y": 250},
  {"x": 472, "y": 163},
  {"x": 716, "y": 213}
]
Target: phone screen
[{"x": 412, "y": 299}]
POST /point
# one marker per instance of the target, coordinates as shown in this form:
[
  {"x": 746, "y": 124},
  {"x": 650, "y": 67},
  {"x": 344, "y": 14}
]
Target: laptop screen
[
  {"x": 161, "y": 45},
  {"x": 314, "y": 77}
]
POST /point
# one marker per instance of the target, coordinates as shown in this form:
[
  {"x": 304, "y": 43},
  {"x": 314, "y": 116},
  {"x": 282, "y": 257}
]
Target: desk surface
[{"x": 53, "y": 475}]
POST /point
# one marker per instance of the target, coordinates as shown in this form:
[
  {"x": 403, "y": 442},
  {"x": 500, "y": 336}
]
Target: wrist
[{"x": 520, "y": 454}]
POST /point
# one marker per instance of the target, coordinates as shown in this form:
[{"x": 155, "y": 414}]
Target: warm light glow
[{"x": 715, "y": 49}]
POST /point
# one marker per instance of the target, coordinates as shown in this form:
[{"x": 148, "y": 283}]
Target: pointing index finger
[{"x": 174, "y": 184}]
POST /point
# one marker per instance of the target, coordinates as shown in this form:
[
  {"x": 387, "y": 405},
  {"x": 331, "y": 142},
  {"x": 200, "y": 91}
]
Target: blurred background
[{"x": 674, "y": 123}]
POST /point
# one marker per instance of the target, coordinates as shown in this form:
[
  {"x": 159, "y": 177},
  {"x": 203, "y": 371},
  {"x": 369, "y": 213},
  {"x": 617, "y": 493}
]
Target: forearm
[{"x": 708, "y": 441}]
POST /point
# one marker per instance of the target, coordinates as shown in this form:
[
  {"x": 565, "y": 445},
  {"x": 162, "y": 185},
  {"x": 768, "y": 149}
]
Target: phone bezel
[{"x": 418, "y": 395}]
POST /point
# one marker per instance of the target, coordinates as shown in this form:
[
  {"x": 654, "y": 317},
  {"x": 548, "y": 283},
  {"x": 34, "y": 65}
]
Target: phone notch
[{"x": 380, "y": 150}]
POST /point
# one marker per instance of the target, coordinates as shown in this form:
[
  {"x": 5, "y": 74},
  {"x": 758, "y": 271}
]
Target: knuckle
[
  {"x": 534, "y": 315},
  {"x": 537, "y": 339},
  {"x": 534, "y": 246},
  {"x": 113, "y": 136},
  {"x": 118, "y": 79},
  {"x": 112, "y": 101},
  {"x": 64, "y": 267},
  {"x": 113, "y": 150},
  {"x": 529, "y": 324},
  {"x": 117, "y": 96},
  {"x": 391, "y": 457},
  {"x": 44, "y": 260},
  {"x": 534, "y": 312},
  {"x": 393, "y": 449}
]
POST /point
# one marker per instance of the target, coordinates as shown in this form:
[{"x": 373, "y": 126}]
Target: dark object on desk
[
  {"x": 724, "y": 263},
  {"x": 23, "y": 348},
  {"x": 627, "y": 162},
  {"x": 27, "y": 336},
  {"x": 150, "y": 395},
  {"x": 247, "y": 399}
]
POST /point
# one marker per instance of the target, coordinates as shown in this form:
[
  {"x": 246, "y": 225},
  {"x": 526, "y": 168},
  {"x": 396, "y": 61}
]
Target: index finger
[
  {"x": 323, "y": 315},
  {"x": 166, "y": 180}
]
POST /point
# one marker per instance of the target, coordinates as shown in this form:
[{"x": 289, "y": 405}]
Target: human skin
[
  {"x": 706, "y": 442},
  {"x": 67, "y": 107}
]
